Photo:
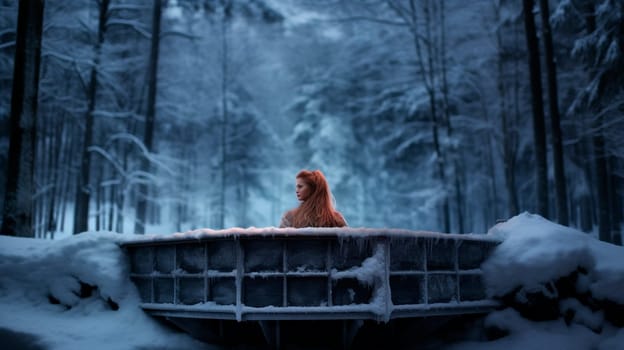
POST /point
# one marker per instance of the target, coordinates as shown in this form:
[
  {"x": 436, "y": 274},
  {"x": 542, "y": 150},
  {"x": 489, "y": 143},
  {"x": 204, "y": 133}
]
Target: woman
[{"x": 316, "y": 208}]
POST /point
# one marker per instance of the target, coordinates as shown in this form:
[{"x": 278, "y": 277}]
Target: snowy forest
[{"x": 160, "y": 116}]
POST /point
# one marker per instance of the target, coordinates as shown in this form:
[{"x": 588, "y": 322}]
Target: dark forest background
[{"x": 446, "y": 115}]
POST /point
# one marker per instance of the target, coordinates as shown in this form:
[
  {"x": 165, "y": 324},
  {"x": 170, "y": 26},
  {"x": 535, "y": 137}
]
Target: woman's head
[
  {"x": 311, "y": 185},
  {"x": 316, "y": 208},
  {"x": 304, "y": 188}
]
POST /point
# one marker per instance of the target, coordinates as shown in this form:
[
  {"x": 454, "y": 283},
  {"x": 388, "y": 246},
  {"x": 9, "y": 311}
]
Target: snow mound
[
  {"x": 58, "y": 270},
  {"x": 534, "y": 251},
  {"x": 549, "y": 272},
  {"x": 75, "y": 293}
]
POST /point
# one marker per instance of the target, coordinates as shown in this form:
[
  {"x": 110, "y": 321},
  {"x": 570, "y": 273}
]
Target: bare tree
[
  {"x": 17, "y": 212},
  {"x": 457, "y": 164},
  {"x": 224, "y": 112},
  {"x": 509, "y": 137},
  {"x": 561, "y": 195},
  {"x": 150, "y": 115},
  {"x": 424, "y": 45},
  {"x": 539, "y": 129},
  {"x": 83, "y": 193}
]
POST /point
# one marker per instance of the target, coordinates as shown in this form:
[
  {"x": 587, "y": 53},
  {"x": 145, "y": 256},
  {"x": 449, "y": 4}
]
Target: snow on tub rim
[
  {"x": 281, "y": 274},
  {"x": 314, "y": 231}
]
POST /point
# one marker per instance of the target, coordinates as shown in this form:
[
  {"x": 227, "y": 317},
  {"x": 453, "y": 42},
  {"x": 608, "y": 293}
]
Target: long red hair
[{"x": 317, "y": 210}]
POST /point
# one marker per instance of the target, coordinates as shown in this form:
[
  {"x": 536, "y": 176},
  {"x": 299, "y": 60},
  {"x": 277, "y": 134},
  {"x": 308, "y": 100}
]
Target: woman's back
[{"x": 291, "y": 217}]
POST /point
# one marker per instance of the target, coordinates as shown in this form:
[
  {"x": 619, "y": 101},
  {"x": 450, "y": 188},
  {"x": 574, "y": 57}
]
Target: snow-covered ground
[{"x": 75, "y": 293}]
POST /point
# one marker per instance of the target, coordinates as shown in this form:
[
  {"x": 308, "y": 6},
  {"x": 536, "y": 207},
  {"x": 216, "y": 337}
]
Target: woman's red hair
[{"x": 317, "y": 210}]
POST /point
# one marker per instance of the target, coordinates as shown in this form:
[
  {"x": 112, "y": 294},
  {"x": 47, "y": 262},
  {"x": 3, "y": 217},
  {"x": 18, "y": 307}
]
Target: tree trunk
[
  {"x": 110, "y": 199},
  {"x": 55, "y": 151},
  {"x": 99, "y": 194},
  {"x": 585, "y": 221},
  {"x": 83, "y": 191},
  {"x": 615, "y": 203},
  {"x": 539, "y": 129},
  {"x": 600, "y": 162},
  {"x": 140, "y": 220},
  {"x": 589, "y": 199},
  {"x": 507, "y": 115},
  {"x": 599, "y": 156},
  {"x": 68, "y": 186},
  {"x": 459, "y": 192},
  {"x": 18, "y": 203},
  {"x": 60, "y": 193},
  {"x": 224, "y": 110},
  {"x": 40, "y": 176},
  {"x": 561, "y": 196},
  {"x": 508, "y": 154},
  {"x": 436, "y": 122},
  {"x": 428, "y": 75},
  {"x": 121, "y": 195},
  {"x": 516, "y": 120}
]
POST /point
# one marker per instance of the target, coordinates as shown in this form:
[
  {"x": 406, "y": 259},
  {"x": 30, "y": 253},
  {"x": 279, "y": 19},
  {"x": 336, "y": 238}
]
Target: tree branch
[{"x": 132, "y": 24}]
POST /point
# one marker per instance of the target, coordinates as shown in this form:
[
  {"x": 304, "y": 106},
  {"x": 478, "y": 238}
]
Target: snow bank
[
  {"x": 609, "y": 271},
  {"x": 536, "y": 251},
  {"x": 74, "y": 294},
  {"x": 549, "y": 335},
  {"x": 566, "y": 279},
  {"x": 56, "y": 269},
  {"x": 535, "y": 336},
  {"x": 527, "y": 269}
]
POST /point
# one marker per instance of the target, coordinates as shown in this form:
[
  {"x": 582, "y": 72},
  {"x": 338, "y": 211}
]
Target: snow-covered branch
[
  {"x": 137, "y": 26},
  {"x": 177, "y": 33}
]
